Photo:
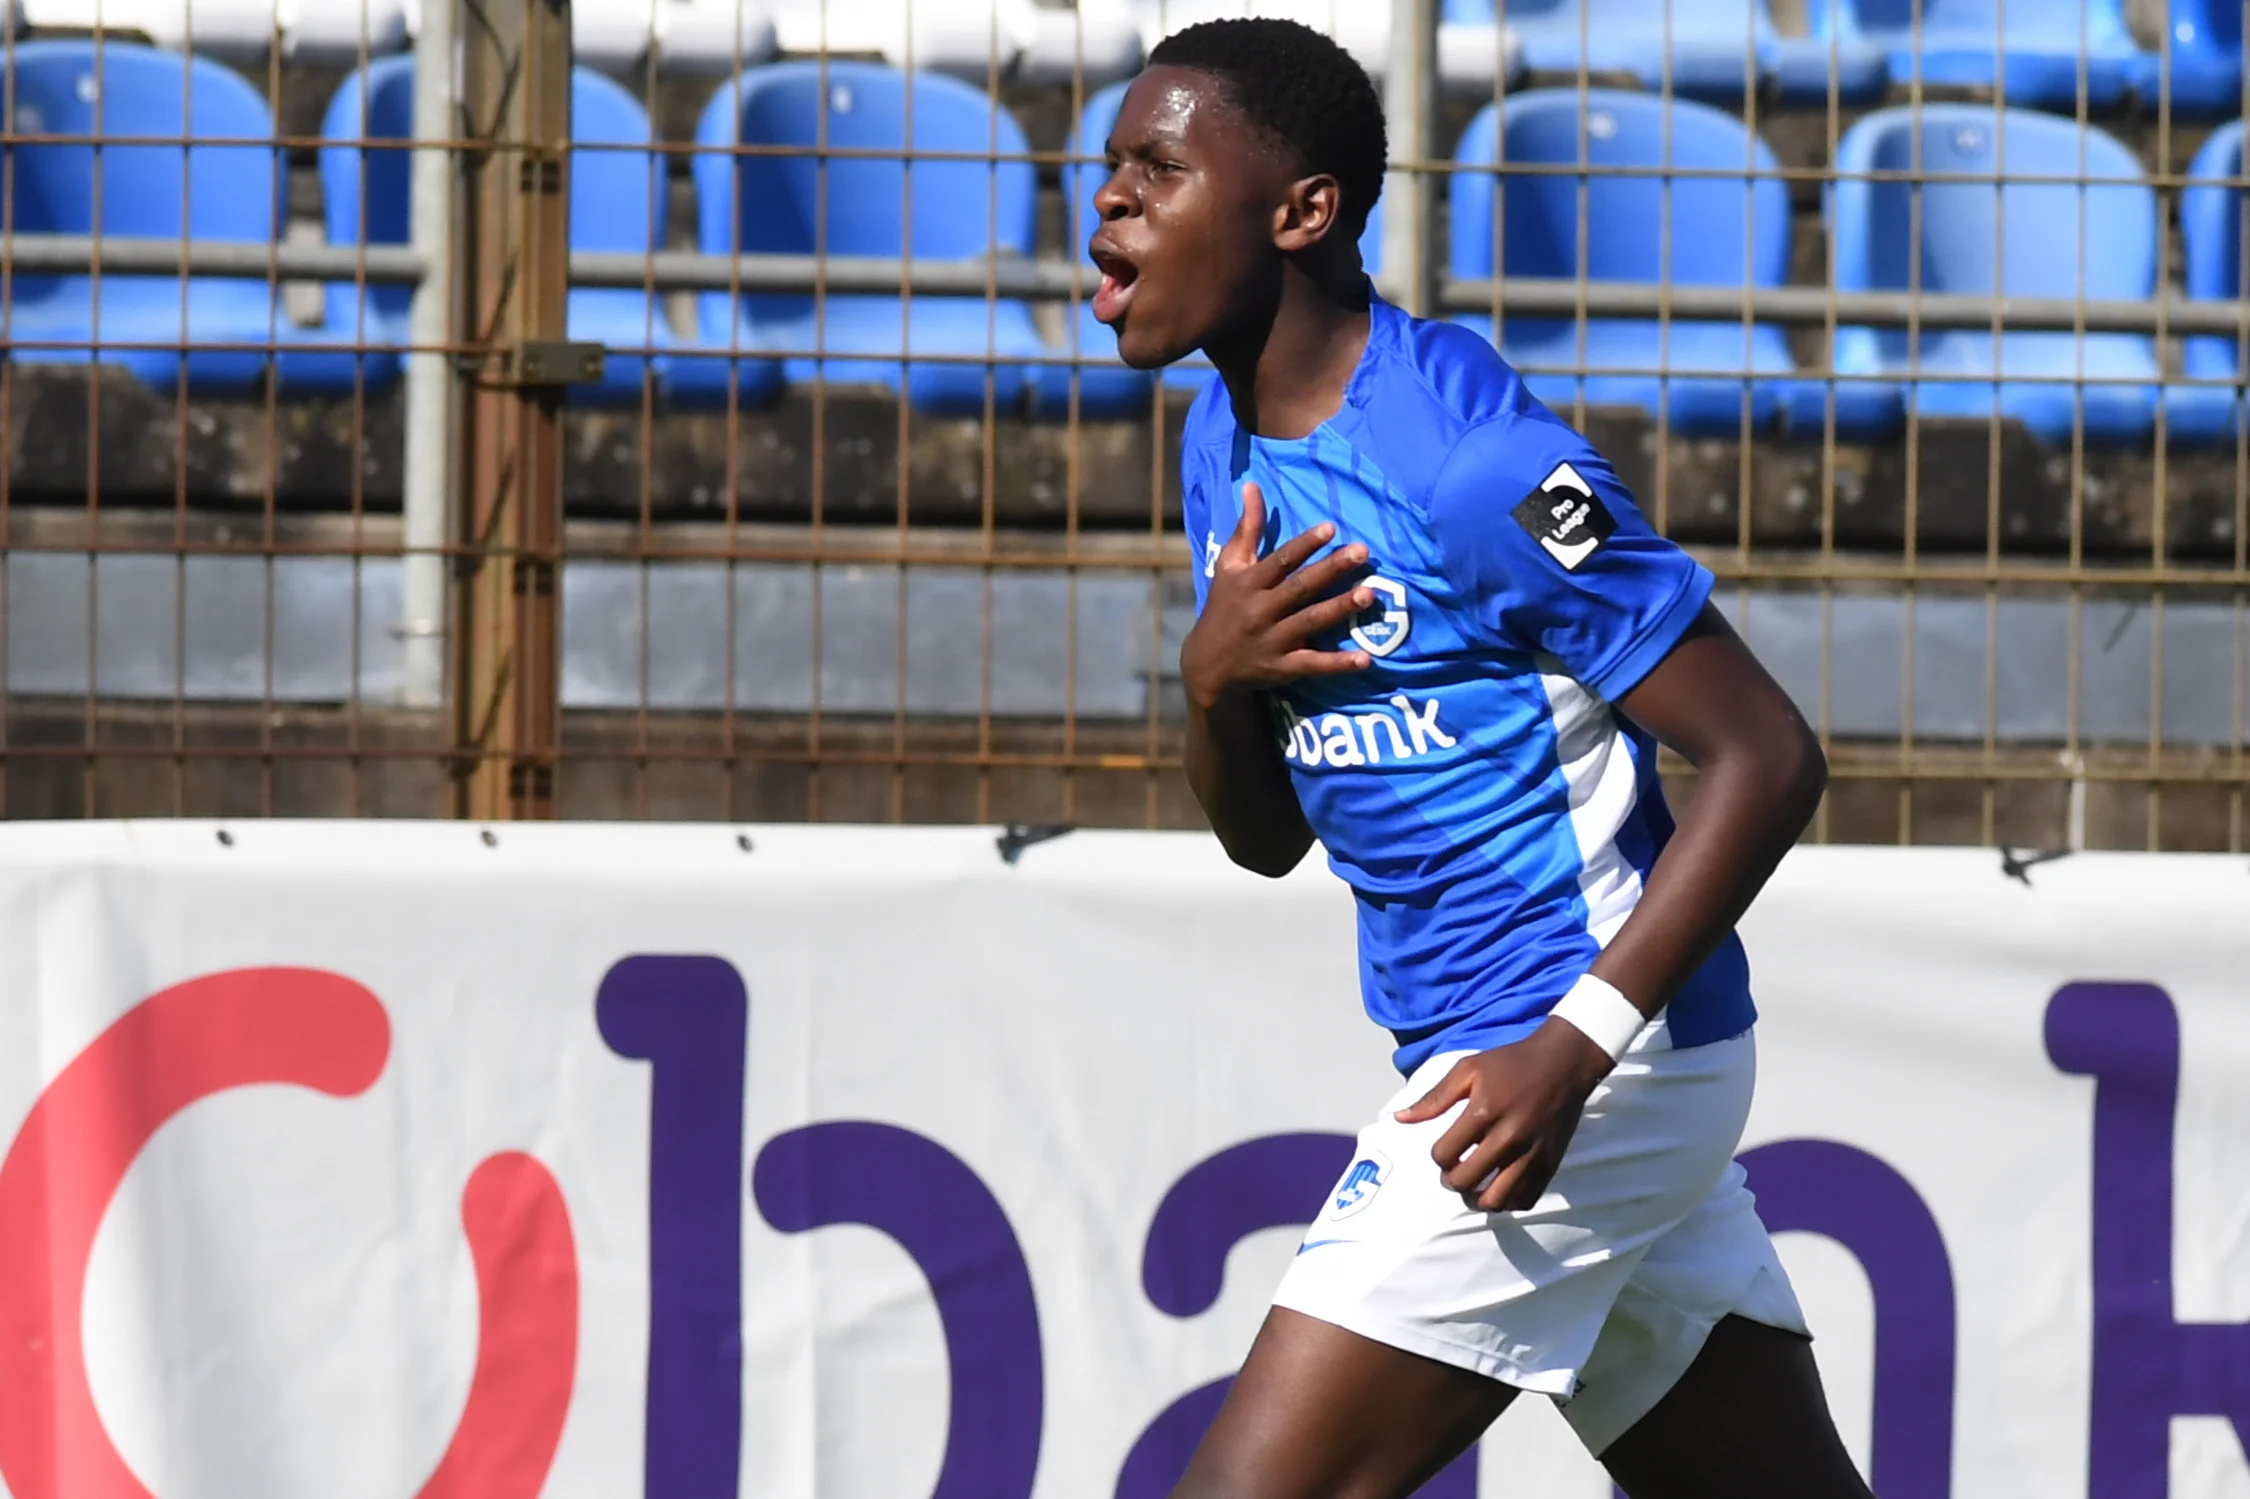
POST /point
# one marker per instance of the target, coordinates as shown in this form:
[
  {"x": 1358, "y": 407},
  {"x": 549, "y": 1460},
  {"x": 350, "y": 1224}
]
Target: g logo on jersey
[
  {"x": 1362, "y": 1180},
  {"x": 1391, "y": 624}
]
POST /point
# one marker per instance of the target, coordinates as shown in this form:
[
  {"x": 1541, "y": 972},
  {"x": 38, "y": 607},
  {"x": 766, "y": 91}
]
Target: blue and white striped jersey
[{"x": 1494, "y": 813}]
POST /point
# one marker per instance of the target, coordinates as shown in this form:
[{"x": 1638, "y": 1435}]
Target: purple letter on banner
[
  {"x": 690, "y": 1017},
  {"x": 1845, "y": 1194},
  {"x": 1275, "y": 1182},
  {"x": 922, "y": 1195},
  {"x": 2148, "y": 1367}
]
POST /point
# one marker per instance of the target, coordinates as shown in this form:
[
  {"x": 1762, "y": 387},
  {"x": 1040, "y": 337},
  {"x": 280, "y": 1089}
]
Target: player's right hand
[{"x": 1260, "y": 615}]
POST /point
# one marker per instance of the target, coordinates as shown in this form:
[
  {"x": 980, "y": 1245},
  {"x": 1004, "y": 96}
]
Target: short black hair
[{"x": 1301, "y": 88}]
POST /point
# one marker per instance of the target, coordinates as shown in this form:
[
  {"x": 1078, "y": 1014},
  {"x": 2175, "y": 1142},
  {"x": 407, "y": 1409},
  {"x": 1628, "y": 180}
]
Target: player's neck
[{"x": 1291, "y": 375}]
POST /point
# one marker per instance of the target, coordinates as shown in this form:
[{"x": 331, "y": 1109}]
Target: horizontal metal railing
[{"x": 1064, "y": 281}]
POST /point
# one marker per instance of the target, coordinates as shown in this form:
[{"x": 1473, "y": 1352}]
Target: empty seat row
[
  {"x": 1472, "y": 54},
  {"x": 222, "y": 335},
  {"x": 1699, "y": 49},
  {"x": 1708, "y": 228},
  {"x": 1674, "y": 191},
  {"x": 1016, "y": 40},
  {"x": 2045, "y": 54},
  {"x": 317, "y": 32},
  {"x": 2050, "y": 53},
  {"x": 1969, "y": 229}
]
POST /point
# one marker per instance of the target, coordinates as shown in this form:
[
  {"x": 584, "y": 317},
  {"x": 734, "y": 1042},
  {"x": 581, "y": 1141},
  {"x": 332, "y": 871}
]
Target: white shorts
[{"x": 1602, "y": 1294}]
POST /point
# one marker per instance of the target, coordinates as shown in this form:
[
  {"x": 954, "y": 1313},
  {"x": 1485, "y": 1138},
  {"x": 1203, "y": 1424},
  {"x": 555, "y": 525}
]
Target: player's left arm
[
  {"x": 1760, "y": 775},
  {"x": 1573, "y": 572}
]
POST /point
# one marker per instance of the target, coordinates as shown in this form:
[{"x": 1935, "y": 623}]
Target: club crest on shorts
[
  {"x": 1362, "y": 1180},
  {"x": 1384, "y": 627},
  {"x": 1565, "y": 516}
]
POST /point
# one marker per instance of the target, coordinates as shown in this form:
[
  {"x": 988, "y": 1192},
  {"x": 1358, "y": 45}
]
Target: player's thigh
[
  {"x": 1748, "y": 1420},
  {"x": 1321, "y": 1413}
]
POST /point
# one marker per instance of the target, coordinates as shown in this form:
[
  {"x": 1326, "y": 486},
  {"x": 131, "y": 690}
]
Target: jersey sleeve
[{"x": 1550, "y": 554}]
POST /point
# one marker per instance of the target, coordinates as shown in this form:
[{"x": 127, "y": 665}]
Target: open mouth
[{"x": 1120, "y": 277}]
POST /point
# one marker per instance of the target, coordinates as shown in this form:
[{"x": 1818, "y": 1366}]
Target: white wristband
[{"x": 1605, "y": 1016}]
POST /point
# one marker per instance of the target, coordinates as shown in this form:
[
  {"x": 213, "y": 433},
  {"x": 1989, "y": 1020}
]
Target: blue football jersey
[{"x": 1495, "y": 815}]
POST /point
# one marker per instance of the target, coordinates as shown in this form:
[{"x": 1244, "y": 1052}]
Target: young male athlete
[{"x": 1436, "y": 635}]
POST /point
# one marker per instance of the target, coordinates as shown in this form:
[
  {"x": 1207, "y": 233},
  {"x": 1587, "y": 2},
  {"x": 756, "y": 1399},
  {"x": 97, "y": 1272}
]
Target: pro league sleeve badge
[{"x": 1565, "y": 516}]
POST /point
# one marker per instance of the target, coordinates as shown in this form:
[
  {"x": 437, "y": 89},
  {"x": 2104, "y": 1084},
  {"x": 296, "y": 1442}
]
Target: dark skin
[{"x": 1215, "y": 237}]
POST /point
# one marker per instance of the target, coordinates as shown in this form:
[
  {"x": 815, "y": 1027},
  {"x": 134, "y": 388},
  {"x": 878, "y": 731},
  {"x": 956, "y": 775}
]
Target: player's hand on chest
[{"x": 1269, "y": 620}]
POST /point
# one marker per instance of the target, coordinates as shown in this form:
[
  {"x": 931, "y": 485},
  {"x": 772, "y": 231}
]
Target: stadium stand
[
  {"x": 311, "y": 32},
  {"x": 229, "y": 193},
  {"x": 364, "y": 198},
  {"x": 1715, "y": 50},
  {"x": 2033, "y": 50},
  {"x": 2211, "y": 237},
  {"x": 613, "y": 34},
  {"x": 859, "y": 205},
  {"x": 1099, "y": 40},
  {"x": 321, "y": 33},
  {"x": 2096, "y": 238},
  {"x": 711, "y": 37},
  {"x": 1718, "y": 231},
  {"x": 2203, "y": 45},
  {"x": 605, "y": 183},
  {"x": 232, "y": 30},
  {"x": 1361, "y": 27},
  {"x": 1471, "y": 53},
  {"x": 970, "y": 39},
  {"x": 616, "y": 204}
]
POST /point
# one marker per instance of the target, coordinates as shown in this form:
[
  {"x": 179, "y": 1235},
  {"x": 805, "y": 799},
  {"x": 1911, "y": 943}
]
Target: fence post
[
  {"x": 430, "y": 473},
  {"x": 1410, "y": 100},
  {"x": 507, "y": 710}
]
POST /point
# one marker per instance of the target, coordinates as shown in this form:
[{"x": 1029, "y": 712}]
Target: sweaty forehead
[{"x": 1188, "y": 105}]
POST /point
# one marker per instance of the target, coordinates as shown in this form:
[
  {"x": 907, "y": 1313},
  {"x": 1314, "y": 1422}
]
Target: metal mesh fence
[{"x": 690, "y": 408}]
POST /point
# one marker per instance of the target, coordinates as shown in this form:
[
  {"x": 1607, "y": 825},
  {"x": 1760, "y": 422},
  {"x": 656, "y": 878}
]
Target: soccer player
[{"x": 1435, "y": 634}]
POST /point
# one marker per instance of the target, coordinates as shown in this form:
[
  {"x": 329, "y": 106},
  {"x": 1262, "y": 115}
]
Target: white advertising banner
[{"x": 381, "y": 1160}]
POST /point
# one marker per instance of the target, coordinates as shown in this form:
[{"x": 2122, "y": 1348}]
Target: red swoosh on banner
[
  {"x": 233, "y": 1030},
  {"x": 527, "y": 1334}
]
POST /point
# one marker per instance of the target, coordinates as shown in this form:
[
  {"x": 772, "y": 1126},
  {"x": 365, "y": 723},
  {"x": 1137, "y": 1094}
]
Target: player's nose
[{"x": 1114, "y": 200}]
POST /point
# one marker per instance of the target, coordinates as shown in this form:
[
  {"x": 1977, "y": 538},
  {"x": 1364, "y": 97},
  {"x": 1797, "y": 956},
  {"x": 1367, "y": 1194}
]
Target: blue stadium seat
[
  {"x": 617, "y": 204},
  {"x": 369, "y": 192},
  {"x": 859, "y": 205},
  {"x": 1712, "y": 44},
  {"x": 2051, "y": 239},
  {"x": 331, "y": 367},
  {"x": 2211, "y": 231},
  {"x": 230, "y": 193},
  {"x": 2204, "y": 40},
  {"x": 1112, "y": 389},
  {"x": 2040, "y": 45},
  {"x": 1724, "y": 231}
]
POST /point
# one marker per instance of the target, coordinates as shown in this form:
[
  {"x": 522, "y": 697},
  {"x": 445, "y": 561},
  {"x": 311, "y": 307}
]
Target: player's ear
[{"x": 1308, "y": 213}]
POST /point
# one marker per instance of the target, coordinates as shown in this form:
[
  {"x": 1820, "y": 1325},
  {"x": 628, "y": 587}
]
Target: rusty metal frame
[{"x": 516, "y": 87}]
